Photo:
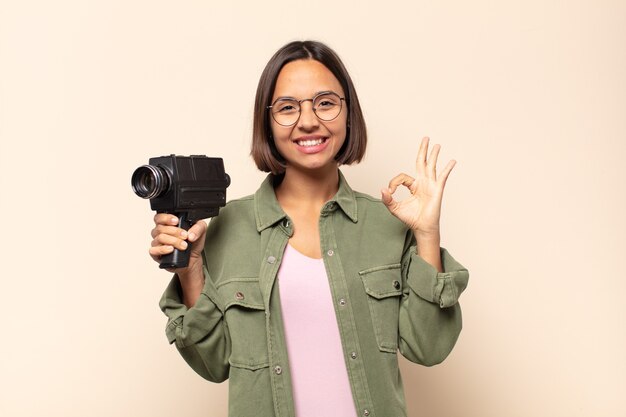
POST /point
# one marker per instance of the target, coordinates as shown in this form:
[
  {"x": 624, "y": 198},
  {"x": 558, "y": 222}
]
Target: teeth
[{"x": 311, "y": 142}]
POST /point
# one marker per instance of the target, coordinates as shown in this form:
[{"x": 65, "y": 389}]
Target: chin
[{"x": 319, "y": 167}]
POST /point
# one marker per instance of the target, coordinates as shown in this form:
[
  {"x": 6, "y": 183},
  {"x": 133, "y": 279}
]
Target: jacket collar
[{"x": 268, "y": 211}]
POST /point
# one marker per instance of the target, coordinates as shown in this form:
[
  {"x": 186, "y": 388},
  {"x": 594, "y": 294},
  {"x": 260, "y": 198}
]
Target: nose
[{"x": 308, "y": 120}]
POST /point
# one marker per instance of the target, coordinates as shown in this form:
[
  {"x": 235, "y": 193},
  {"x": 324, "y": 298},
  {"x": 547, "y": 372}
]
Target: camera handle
[{"x": 178, "y": 258}]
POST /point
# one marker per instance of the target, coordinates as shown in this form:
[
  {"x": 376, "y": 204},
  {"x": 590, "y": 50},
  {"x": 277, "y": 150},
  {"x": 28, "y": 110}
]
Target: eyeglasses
[{"x": 326, "y": 106}]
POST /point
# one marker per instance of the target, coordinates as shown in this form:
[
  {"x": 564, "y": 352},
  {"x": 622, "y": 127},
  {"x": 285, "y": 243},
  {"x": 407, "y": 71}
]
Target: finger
[
  {"x": 197, "y": 231},
  {"x": 403, "y": 179},
  {"x": 431, "y": 167},
  {"x": 387, "y": 199},
  {"x": 169, "y": 230},
  {"x": 164, "y": 239},
  {"x": 156, "y": 258},
  {"x": 446, "y": 171},
  {"x": 165, "y": 218},
  {"x": 420, "y": 162},
  {"x": 157, "y": 251}
]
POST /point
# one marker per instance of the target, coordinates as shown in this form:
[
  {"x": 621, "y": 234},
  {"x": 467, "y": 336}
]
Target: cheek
[
  {"x": 277, "y": 130},
  {"x": 344, "y": 121},
  {"x": 341, "y": 129},
  {"x": 280, "y": 136}
]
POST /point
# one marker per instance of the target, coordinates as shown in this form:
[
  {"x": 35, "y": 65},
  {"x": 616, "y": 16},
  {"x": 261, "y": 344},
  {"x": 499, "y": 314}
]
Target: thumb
[
  {"x": 197, "y": 232},
  {"x": 387, "y": 198}
]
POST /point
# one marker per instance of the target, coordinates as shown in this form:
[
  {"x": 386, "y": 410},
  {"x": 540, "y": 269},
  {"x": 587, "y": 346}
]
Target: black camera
[{"x": 190, "y": 187}]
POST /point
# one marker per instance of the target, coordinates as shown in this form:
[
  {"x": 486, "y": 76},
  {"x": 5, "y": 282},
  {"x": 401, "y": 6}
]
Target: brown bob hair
[{"x": 264, "y": 152}]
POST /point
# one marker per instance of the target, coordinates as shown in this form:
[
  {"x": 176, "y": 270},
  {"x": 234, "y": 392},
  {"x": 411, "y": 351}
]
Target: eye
[
  {"x": 326, "y": 101},
  {"x": 285, "y": 107}
]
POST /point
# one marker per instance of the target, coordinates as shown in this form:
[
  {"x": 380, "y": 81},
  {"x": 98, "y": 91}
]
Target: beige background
[{"x": 528, "y": 96}]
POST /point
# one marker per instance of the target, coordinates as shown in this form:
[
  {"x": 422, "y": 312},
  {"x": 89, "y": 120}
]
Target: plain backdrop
[{"x": 528, "y": 96}]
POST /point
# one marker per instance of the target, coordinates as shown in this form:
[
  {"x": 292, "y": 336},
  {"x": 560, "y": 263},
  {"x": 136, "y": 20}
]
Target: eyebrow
[{"x": 314, "y": 95}]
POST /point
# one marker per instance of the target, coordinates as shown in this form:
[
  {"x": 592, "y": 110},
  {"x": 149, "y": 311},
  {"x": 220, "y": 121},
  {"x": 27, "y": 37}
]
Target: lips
[
  {"x": 311, "y": 144},
  {"x": 310, "y": 140}
]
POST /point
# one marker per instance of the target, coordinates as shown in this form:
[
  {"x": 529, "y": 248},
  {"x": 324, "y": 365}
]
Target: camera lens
[{"x": 149, "y": 181}]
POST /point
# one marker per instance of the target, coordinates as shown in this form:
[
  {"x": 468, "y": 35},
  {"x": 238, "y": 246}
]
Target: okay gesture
[{"x": 422, "y": 209}]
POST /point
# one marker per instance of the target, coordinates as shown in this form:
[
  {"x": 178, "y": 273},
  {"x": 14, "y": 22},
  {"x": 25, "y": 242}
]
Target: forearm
[
  {"x": 428, "y": 248},
  {"x": 430, "y": 317},
  {"x": 199, "y": 333},
  {"x": 191, "y": 283}
]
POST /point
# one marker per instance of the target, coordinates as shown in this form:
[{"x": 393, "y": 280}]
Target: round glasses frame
[{"x": 312, "y": 100}]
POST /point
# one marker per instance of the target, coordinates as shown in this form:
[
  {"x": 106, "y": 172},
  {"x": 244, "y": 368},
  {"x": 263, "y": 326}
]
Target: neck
[{"x": 308, "y": 187}]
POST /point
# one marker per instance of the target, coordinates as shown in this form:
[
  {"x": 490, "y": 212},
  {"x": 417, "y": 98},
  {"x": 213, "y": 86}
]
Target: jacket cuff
[
  {"x": 443, "y": 288},
  {"x": 186, "y": 326}
]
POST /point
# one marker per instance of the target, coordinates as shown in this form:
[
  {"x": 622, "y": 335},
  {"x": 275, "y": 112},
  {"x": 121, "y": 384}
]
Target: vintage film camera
[{"x": 190, "y": 187}]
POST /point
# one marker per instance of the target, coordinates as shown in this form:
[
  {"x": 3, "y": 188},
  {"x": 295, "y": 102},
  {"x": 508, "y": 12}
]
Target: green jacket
[{"x": 386, "y": 299}]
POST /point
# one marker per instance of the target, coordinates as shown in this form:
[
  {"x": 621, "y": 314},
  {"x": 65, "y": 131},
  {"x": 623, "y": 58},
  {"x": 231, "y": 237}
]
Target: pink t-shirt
[{"x": 318, "y": 369}]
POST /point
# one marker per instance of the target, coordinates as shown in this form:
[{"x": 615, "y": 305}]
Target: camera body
[{"x": 190, "y": 187}]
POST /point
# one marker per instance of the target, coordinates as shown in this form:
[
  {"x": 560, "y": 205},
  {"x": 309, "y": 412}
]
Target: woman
[{"x": 303, "y": 293}]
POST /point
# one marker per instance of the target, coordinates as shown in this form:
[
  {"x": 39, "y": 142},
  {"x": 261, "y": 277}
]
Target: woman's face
[{"x": 311, "y": 143}]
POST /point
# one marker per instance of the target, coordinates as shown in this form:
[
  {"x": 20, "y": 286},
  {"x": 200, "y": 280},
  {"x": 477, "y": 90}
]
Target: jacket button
[
  {"x": 271, "y": 259},
  {"x": 278, "y": 370},
  {"x": 396, "y": 285},
  {"x": 366, "y": 413},
  {"x": 330, "y": 252},
  {"x": 239, "y": 295},
  {"x": 353, "y": 355},
  {"x": 342, "y": 302}
]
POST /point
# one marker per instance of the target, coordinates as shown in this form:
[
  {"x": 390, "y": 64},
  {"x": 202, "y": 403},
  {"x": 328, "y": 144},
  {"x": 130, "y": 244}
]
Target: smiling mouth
[{"x": 311, "y": 142}]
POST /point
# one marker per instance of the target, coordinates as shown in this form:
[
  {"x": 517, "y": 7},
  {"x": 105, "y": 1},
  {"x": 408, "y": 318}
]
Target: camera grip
[{"x": 178, "y": 258}]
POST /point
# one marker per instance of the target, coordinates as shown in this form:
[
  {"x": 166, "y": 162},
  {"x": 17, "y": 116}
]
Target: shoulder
[
  {"x": 236, "y": 216},
  {"x": 232, "y": 233},
  {"x": 239, "y": 205},
  {"x": 375, "y": 215},
  {"x": 367, "y": 199},
  {"x": 366, "y": 202},
  {"x": 232, "y": 246}
]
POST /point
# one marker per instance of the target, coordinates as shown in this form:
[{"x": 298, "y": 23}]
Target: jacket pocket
[
  {"x": 244, "y": 314},
  {"x": 383, "y": 285}
]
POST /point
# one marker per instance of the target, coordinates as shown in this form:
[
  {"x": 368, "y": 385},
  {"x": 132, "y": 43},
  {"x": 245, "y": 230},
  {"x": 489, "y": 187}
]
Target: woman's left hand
[{"x": 421, "y": 210}]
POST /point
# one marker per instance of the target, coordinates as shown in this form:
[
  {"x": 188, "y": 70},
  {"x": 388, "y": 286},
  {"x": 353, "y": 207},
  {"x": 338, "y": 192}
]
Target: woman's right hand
[{"x": 167, "y": 236}]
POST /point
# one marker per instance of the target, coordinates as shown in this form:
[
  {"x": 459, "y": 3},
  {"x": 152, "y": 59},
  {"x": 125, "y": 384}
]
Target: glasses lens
[
  {"x": 285, "y": 111},
  {"x": 327, "y": 106}
]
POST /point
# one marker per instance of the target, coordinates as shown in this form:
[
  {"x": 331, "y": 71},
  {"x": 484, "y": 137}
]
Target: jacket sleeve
[
  {"x": 430, "y": 315},
  {"x": 200, "y": 333}
]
